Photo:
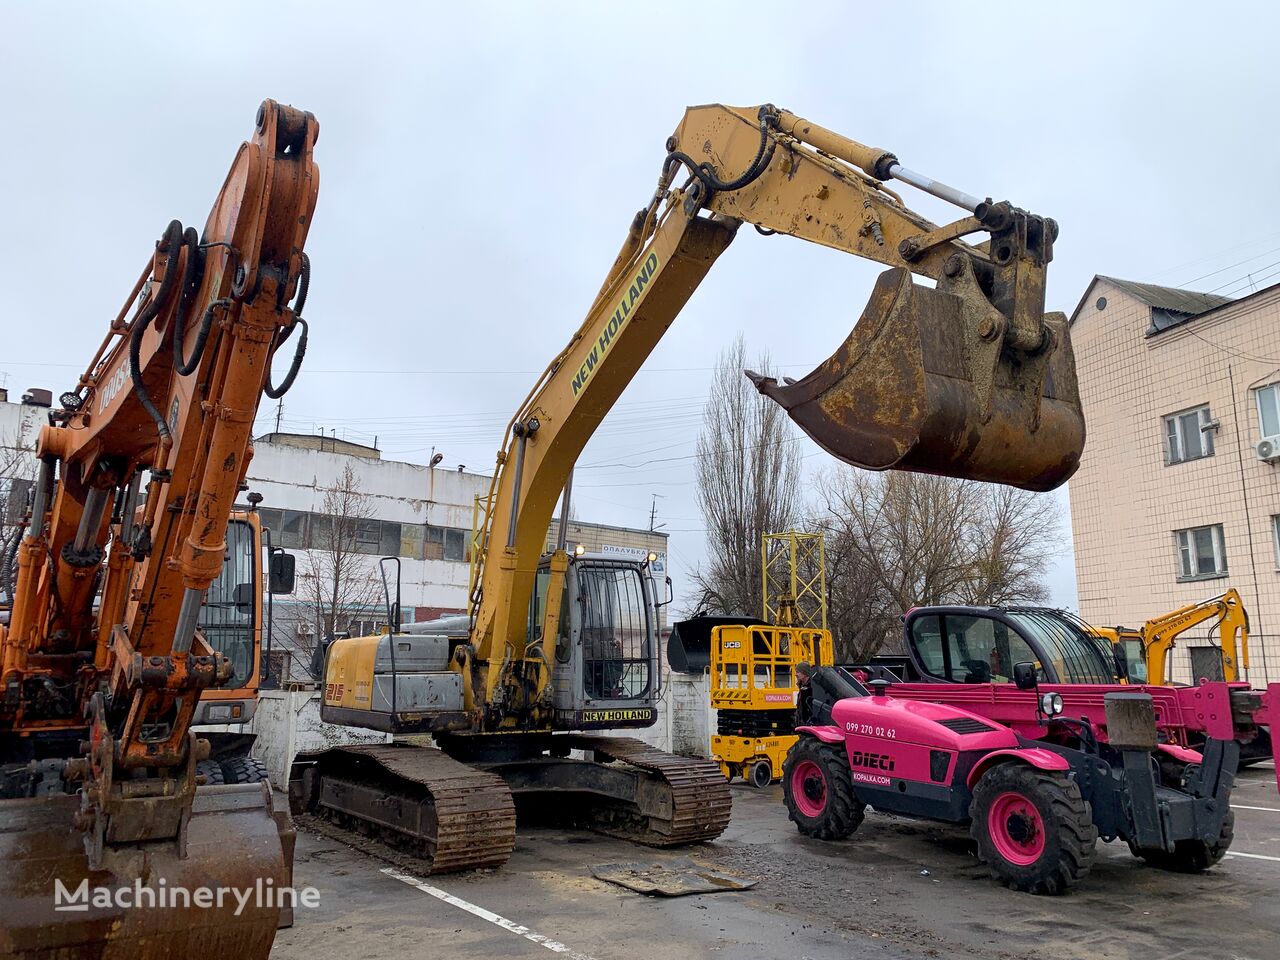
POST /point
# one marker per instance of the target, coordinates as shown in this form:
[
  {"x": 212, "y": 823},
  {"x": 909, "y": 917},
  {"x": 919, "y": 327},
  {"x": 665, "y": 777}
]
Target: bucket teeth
[{"x": 903, "y": 392}]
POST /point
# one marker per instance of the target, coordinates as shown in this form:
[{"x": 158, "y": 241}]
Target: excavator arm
[
  {"x": 1159, "y": 636},
  {"x": 970, "y": 379},
  {"x": 102, "y": 663}
]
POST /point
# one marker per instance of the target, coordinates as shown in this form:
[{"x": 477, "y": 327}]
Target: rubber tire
[
  {"x": 211, "y": 771},
  {"x": 244, "y": 770},
  {"x": 843, "y": 812},
  {"x": 760, "y": 774},
  {"x": 1194, "y": 856},
  {"x": 1070, "y": 836}
]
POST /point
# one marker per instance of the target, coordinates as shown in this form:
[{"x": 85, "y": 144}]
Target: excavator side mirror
[
  {"x": 670, "y": 595},
  {"x": 1024, "y": 676},
  {"x": 280, "y": 573}
]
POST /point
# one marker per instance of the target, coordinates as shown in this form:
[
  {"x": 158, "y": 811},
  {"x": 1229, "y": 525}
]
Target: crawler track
[
  {"x": 700, "y": 800},
  {"x": 420, "y": 801}
]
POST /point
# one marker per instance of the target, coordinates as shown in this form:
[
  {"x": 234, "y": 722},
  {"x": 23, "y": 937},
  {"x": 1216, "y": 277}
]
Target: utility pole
[
  {"x": 654, "y": 526},
  {"x": 279, "y": 413}
]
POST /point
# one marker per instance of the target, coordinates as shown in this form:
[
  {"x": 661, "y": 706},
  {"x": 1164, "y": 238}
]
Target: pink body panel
[
  {"x": 825, "y": 734},
  {"x": 886, "y": 736},
  {"x": 1037, "y": 757},
  {"x": 1206, "y": 708},
  {"x": 1185, "y": 754}
]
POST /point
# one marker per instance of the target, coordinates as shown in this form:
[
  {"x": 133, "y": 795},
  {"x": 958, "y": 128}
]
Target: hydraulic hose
[
  {"x": 300, "y": 351},
  {"x": 706, "y": 173},
  {"x": 172, "y": 240}
]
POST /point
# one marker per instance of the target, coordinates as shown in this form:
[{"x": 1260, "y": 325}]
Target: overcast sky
[{"x": 481, "y": 163}]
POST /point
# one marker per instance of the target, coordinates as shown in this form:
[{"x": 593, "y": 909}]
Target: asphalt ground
[{"x": 898, "y": 888}]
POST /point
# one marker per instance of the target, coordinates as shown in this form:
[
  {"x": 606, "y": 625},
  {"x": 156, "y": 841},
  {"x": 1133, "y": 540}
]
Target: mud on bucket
[{"x": 916, "y": 387}]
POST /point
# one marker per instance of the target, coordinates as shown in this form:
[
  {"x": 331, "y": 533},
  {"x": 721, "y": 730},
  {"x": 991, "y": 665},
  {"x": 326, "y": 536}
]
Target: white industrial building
[{"x": 421, "y": 514}]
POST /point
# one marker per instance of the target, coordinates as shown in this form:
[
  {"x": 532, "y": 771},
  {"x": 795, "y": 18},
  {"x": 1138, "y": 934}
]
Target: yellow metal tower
[{"x": 794, "y": 570}]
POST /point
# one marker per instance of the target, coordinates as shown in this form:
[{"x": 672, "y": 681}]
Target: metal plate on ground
[{"x": 672, "y": 878}]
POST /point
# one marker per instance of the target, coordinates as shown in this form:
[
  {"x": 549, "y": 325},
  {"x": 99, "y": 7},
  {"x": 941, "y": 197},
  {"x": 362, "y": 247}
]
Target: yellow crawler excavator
[{"x": 969, "y": 378}]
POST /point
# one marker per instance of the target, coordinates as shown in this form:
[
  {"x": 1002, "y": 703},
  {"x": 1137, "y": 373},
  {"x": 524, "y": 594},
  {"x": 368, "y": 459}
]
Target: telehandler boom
[{"x": 968, "y": 379}]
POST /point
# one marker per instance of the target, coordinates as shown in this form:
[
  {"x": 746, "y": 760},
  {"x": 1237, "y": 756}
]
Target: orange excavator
[{"x": 104, "y": 659}]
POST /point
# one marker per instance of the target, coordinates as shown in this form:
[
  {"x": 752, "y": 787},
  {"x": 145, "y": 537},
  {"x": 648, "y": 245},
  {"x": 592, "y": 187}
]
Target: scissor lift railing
[
  {"x": 753, "y": 667},
  {"x": 754, "y": 691}
]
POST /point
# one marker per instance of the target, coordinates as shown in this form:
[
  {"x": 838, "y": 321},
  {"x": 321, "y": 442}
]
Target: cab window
[
  {"x": 971, "y": 643},
  {"x": 926, "y": 638},
  {"x": 967, "y": 649}
]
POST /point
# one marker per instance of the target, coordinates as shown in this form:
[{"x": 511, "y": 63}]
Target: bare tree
[
  {"x": 337, "y": 578},
  {"x": 897, "y": 540},
  {"x": 1011, "y": 538},
  {"x": 17, "y": 476},
  {"x": 748, "y": 471}
]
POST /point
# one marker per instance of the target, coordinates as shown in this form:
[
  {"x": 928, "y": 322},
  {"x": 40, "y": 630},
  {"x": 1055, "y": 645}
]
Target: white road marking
[
  {"x": 1241, "y": 806},
  {"x": 1252, "y": 856},
  {"x": 483, "y": 914}
]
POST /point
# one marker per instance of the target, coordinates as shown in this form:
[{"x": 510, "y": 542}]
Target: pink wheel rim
[
  {"x": 809, "y": 788},
  {"x": 1016, "y": 829}
]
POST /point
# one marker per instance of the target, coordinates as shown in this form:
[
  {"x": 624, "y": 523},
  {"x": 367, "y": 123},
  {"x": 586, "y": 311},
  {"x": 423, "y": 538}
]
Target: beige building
[{"x": 1178, "y": 493}]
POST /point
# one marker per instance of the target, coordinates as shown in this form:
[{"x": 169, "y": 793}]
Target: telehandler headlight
[
  {"x": 1051, "y": 704},
  {"x": 579, "y": 550}
]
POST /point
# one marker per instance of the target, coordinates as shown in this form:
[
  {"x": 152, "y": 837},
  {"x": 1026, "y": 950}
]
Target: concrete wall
[
  {"x": 1126, "y": 502},
  {"x": 685, "y": 718},
  {"x": 287, "y": 722}
]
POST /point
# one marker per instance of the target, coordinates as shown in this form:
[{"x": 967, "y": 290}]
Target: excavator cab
[{"x": 606, "y": 665}]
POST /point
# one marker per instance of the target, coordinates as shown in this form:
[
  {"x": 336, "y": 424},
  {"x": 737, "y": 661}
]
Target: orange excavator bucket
[
  {"x": 142, "y": 901},
  {"x": 921, "y": 384}
]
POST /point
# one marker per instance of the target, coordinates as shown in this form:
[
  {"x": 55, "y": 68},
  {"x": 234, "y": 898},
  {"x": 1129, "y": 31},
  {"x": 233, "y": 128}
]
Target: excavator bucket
[
  {"x": 915, "y": 387},
  {"x": 140, "y": 904},
  {"x": 689, "y": 646}
]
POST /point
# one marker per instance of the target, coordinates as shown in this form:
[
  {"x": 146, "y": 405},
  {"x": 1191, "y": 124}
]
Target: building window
[
  {"x": 433, "y": 543},
  {"x": 455, "y": 544},
  {"x": 1189, "y": 435},
  {"x": 365, "y": 628},
  {"x": 293, "y": 529},
  {"x": 1201, "y": 554},
  {"x": 1269, "y": 409},
  {"x": 368, "y": 536},
  {"x": 1275, "y": 537},
  {"x": 446, "y": 543}
]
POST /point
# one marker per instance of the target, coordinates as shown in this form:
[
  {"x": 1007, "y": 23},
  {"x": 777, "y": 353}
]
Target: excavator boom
[
  {"x": 103, "y": 663},
  {"x": 970, "y": 379}
]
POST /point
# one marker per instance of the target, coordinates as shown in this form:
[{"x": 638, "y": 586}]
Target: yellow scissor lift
[{"x": 753, "y": 675}]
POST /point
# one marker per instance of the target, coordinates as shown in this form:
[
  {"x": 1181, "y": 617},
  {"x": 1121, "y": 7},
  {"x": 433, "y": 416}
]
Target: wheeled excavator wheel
[
  {"x": 211, "y": 770},
  {"x": 244, "y": 770}
]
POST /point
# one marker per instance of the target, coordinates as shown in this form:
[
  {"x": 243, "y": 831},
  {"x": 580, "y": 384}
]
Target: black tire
[
  {"x": 211, "y": 771},
  {"x": 826, "y": 807},
  {"x": 1044, "y": 808},
  {"x": 244, "y": 770},
  {"x": 761, "y": 774},
  {"x": 1194, "y": 856}
]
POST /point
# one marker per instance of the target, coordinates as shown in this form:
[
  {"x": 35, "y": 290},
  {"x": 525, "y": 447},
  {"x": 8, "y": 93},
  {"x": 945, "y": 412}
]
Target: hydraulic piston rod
[{"x": 876, "y": 162}]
